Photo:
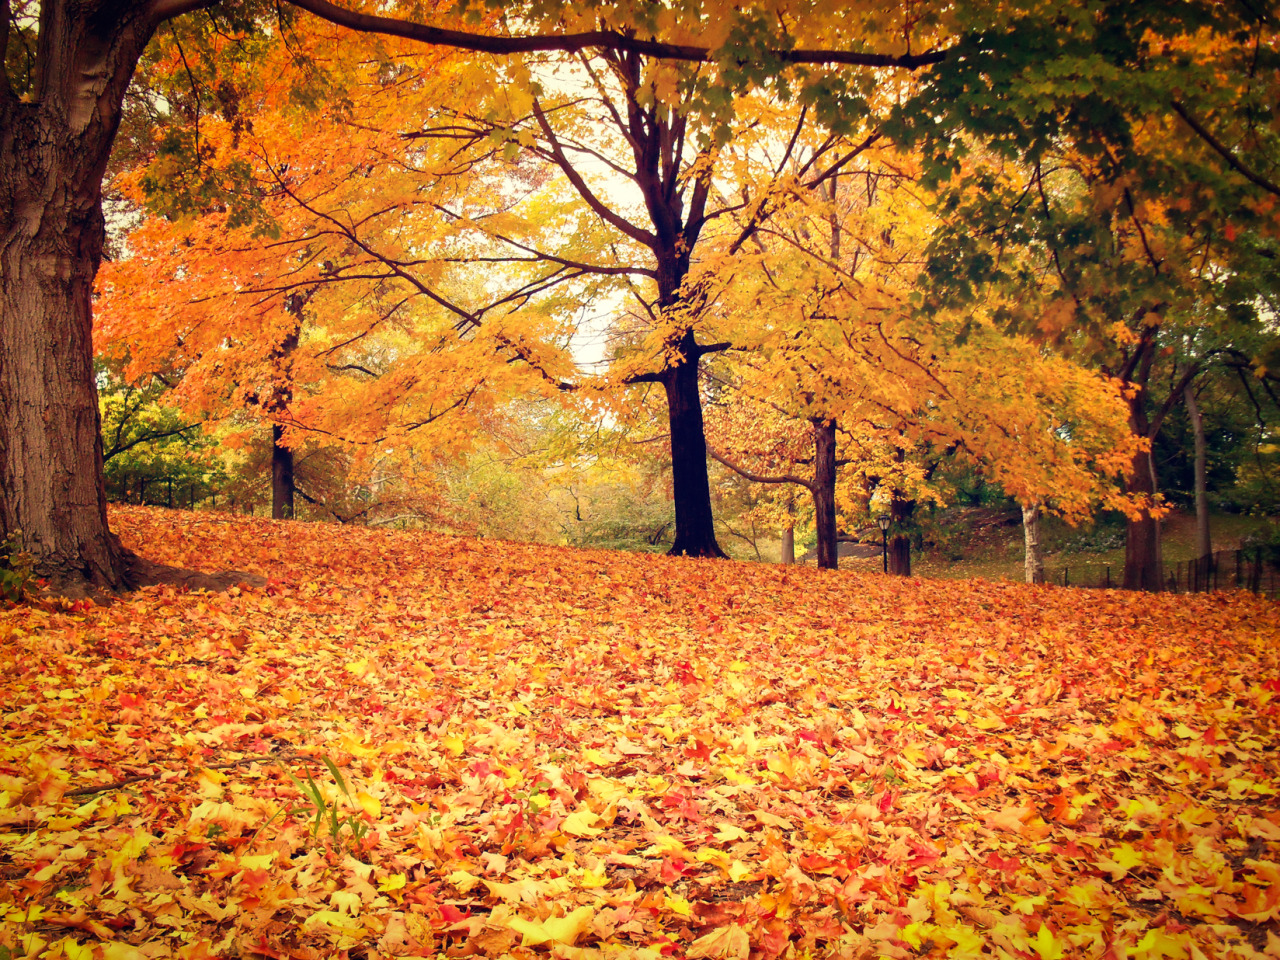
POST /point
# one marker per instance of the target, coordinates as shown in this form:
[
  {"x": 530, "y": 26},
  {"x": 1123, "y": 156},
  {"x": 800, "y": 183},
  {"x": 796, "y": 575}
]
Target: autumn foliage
[{"x": 585, "y": 754}]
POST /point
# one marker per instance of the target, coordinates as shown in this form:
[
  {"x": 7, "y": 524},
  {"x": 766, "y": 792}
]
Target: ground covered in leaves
[{"x": 413, "y": 745}]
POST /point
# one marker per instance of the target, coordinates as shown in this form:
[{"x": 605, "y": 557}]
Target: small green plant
[
  {"x": 17, "y": 568},
  {"x": 323, "y": 813}
]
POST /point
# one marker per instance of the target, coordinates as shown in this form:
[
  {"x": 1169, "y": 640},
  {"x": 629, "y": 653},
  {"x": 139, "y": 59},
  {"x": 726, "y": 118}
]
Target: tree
[
  {"x": 60, "y": 109},
  {"x": 1120, "y": 152},
  {"x": 841, "y": 345}
]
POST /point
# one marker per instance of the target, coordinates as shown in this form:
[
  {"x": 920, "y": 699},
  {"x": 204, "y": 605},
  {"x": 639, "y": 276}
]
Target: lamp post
[{"x": 882, "y": 521}]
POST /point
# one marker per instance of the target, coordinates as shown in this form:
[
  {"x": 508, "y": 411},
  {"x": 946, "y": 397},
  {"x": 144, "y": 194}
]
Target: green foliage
[
  {"x": 153, "y": 452},
  {"x": 327, "y": 814},
  {"x": 17, "y": 569}
]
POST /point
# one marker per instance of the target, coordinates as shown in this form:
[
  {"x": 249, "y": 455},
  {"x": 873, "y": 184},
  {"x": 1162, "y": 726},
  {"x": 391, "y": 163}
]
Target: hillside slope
[{"x": 581, "y": 753}]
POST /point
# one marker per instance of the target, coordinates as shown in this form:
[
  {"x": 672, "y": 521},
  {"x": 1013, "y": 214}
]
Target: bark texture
[
  {"x": 690, "y": 482},
  {"x": 1033, "y": 554},
  {"x": 282, "y": 487},
  {"x": 824, "y": 491},
  {"x": 1204, "y": 544},
  {"x": 1142, "y": 534},
  {"x": 53, "y": 155},
  {"x": 54, "y": 146},
  {"x": 789, "y": 545}
]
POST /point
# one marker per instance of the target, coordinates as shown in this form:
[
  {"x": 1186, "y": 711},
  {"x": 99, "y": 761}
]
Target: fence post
[
  {"x": 1237, "y": 569},
  {"x": 1108, "y": 576}
]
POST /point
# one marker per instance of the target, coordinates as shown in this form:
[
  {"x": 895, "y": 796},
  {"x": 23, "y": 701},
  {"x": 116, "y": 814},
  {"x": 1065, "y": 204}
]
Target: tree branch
[
  {"x": 1224, "y": 151},
  {"x": 621, "y": 224},
  {"x": 757, "y": 477},
  {"x": 573, "y": 42}
]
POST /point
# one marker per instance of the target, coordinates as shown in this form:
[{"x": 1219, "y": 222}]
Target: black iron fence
[{"x": 1256, "y": 569}]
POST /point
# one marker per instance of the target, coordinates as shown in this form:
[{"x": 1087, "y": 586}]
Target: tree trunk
[
  {"x": 691, "y": 487},
  {"x": 901, "y": 510},
  {"x": 789, "y": 545},
  {"x": 1142, "y": 534},
  {"x": 1033, "y": 555},
  {"x": 900, "y": 555},
  {"x": 824, "y": 491},
  {"x": 1204, "y": 546},
  {"x": 53, "y": 155},
  {"x": 54, "y": 146},
  {"x": 282, "y": 488}
]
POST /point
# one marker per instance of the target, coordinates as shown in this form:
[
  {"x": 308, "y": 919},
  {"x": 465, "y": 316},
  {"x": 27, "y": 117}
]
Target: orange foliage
[{"x": 586, "y": 751}]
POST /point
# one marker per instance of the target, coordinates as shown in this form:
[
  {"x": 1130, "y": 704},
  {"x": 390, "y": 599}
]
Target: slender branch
[
  {"x": 1224, "y": 151},
  {"x": 162, "y": 10},
  {"x": 118, "y": 448},
  {"x": 619, "y": 223},
  {"x": 1175, "y": 394},
  {"x": 758, "y": 477}
]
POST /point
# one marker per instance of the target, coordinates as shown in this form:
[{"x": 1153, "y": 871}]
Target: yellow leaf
[
  {"x": 731, "y": 943},
  {"x": 369, "y": 804},
  {"x": 345, "y": 901},
  {"x": 739, "y": 871},
  {"x": 678, "y": 905},
  {"x": 454, "y": 744},
  {"x": 581, "y": 823},
  {"x": 1047, "y": 945},
  {"x": 729, "y": 833},
  {"x": 1120, "y": 860},
  {"x": 210, "y": 782},
  {"x": 394, "y": 882},
  {"x": 566, "y": 929}
]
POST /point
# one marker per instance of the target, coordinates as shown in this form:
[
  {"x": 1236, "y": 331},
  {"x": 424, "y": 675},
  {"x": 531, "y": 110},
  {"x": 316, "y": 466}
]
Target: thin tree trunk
[
  {"x": 1142, "y": 534},
  {"x": 789, "y": 545},
  {"x": 824, "y": 491},
  {"x": 901, "y": 510},
  {"x": 1033, "y": 555},
  {"x": 1204, "y": 545}
]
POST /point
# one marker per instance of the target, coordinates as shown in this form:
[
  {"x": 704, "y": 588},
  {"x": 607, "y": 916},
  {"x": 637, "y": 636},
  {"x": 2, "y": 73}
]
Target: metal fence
[{"x": 1256, "y": 569}]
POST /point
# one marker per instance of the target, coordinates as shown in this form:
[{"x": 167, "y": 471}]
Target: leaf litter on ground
[{"x": 419, "y": 745}]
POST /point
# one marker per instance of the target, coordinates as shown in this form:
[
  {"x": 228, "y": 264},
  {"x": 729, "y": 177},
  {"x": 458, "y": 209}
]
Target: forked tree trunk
[
  {"x": 1033, "y": 554},
  {"x": 824, "y": 491}
]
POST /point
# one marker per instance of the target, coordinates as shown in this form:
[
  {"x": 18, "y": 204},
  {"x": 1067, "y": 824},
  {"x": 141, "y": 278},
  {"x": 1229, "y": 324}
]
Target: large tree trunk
[
  {"x": 1204, "y": 545},
  {"x": 53, "y": 155},
  {"x": 824, "y": 491},
  {"x": 1033, "y": 558},
  {"x": 900, "y": 555},
  {"x": 690, "y": 484},
  {"x": 1142, "y": 533},
  {"x": 54, "y": 146},
  {"x": 282, "y": 488}
]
